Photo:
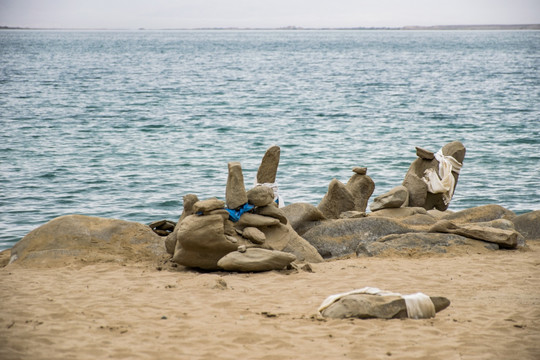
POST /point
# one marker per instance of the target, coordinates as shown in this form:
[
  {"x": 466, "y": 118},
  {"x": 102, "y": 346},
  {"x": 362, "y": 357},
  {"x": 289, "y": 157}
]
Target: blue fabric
[{"x": 234, "y": 215}]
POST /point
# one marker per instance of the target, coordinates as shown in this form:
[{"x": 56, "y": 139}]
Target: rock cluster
[
  {"x": 409, "y": 218},
  {"x": 343, "y": 198},
  {"x": 250, "y": 232},
  {"x": 246, "y": 232},
  {"x": 403, "y": 230}
]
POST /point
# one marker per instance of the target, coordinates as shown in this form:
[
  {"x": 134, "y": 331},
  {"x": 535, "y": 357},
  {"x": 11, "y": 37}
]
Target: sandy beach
[{"x": 137, "y": 311}]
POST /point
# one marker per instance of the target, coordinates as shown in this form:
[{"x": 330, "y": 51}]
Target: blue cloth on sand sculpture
[{"x": 234, "y": 214}]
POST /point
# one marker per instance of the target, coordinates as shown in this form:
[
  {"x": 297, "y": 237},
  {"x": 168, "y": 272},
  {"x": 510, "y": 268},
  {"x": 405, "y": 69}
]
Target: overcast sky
[{"x": 157, "y": 14}]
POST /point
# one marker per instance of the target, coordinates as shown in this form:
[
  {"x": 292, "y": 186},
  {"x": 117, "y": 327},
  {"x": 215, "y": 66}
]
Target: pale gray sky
[{"x": 156, "y": 14}]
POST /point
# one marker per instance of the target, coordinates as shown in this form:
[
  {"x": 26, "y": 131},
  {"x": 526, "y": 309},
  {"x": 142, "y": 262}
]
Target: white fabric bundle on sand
[{"x": 419, "y": 305}]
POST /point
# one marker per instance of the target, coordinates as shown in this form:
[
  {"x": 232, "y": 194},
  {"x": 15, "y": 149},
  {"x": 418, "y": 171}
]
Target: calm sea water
[{"x": 124, "y": 124}]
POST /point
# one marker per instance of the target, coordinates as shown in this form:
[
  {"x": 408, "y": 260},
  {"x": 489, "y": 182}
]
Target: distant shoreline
[{"x": 413, "y": 27}]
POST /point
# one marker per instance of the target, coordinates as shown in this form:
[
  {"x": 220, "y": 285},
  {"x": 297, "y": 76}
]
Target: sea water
[{"x": 123, "y": 124}]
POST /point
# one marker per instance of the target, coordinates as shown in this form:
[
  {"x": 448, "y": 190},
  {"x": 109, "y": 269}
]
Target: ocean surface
[{"x": 123, "y": 124}]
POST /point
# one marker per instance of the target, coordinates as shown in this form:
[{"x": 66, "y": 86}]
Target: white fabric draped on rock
[
  {"x": 444, "y": 181},
  {"x": 419, "y": 305}
]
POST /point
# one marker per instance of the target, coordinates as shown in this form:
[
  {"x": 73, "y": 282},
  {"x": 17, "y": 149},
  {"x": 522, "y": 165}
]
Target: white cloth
[
  {"x": 273, "y": 186},
  {"x": 444, "y": 181},
  {"x": 419, "y": 305}
]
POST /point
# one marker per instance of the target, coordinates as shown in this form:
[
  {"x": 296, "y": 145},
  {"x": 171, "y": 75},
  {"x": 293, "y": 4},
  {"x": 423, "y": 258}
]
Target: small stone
[
  {"x": 273, "y": 212},
  {"x": 269, "y": 164},
  {"x": 307, "y": 268},
  {"x": 256, "y": 259},
  {"x": 395, "y": 198},
  {"x": 424, "y": 154},
  {"x": 260, "y": 196},
  {"x": 360, "y": 170},
  {"x": 242, "y": 248},
  {"x": 255, "y": 235},
  {"x": 248, "y": 219},
  {"x": 235, "y": 193},
  {"x": 208, "y": 205},
  {"x": 220, "y": 284}
]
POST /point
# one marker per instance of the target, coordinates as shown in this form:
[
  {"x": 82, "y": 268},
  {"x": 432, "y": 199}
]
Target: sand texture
[{"x": 134, "y": 311}]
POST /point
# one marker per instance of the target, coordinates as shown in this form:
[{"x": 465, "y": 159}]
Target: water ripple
[{"x": 124, "y": 124}]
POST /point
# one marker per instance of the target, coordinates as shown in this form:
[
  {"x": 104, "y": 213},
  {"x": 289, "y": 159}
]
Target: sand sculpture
[{"x": 246, "y": 232}]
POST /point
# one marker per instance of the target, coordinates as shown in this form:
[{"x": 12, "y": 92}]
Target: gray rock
[
  {"x": 235, "y": 193},
  {"x": 201, "y": 242},
  {"x": 421, "y": 243},
  {"x": 480, "y": 214},
  {"x": 337, "y": 200},
  {"x": 205, "y": 206},
  {"x": 303, "y": 250},
  {"x": 397, "y": 213},
  {"x": 256, "y": 259},
  {"x": 418, "y": 219},
  {"x": 503, "y": 224},
  {"x": 364, "y": 306},
  {"x": 504, "y": 238},
  {"x": 269, "y": 165},
  {"x": 166, "y": 225},
  {"x": 272, "y": 211},
  {"x": 361, "y": 188},
  {"x": 352, "y": 215},
  {"x": 528, "y": 225},
  {"x": 437, "y": 214},
  {"x": 255, "y": 235},
  {"x": 337, "y": 238},
  {"x": 94, "y": 238},
  {"x": 260, "y": 196},
  {"x": 303, "y": 216},
  {"x": 395, "y": 198}
]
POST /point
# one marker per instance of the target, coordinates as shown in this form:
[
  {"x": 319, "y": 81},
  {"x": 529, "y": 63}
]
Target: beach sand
[{"x": 135, "y": 311}]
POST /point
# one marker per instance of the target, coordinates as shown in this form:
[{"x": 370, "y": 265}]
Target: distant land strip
[{"x": 434, "y": 27}]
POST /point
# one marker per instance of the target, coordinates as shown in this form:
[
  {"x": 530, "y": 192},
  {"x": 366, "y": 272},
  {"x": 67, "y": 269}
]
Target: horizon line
[{"x": 293, "y": 27}]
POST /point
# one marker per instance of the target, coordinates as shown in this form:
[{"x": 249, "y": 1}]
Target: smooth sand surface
[{"x": 134, "y": 311}]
